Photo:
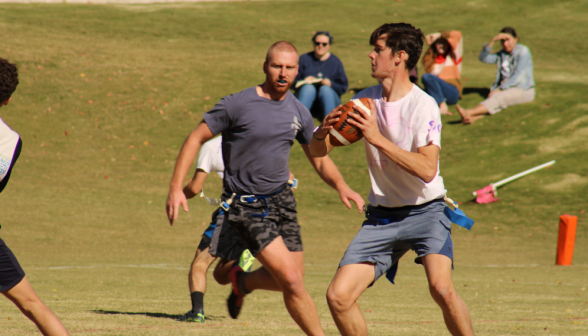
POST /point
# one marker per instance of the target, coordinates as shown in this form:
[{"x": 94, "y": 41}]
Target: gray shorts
[
  {"x": 388, "y": 233},
  {"x": 503, "y": 99}
]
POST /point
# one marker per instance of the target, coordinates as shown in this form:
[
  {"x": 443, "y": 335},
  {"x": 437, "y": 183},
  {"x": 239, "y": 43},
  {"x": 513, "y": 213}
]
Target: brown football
[{"x": 343, "y": 133}]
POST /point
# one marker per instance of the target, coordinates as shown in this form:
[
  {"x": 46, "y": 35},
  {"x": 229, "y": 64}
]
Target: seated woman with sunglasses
[{"x": 321, "y": 78}]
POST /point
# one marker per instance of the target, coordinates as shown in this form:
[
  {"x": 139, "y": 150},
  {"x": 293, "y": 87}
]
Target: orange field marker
[{"x": 566, "y": 239}]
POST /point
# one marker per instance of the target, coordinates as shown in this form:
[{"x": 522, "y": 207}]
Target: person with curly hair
[{"x": 13, "y": 281}]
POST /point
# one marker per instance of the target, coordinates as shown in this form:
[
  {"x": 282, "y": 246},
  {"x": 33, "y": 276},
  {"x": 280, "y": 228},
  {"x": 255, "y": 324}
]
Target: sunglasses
[{"x": 319, "y": 43}]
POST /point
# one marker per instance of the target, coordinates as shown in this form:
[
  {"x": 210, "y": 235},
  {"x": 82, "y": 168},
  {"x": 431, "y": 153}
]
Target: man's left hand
[
  {"x": 326, "y": 82},
  {"x": 348, "y": 195}
]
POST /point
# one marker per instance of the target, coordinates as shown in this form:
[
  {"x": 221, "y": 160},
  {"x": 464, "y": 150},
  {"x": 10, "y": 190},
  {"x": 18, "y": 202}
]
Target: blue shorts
[
  {"x": 388, "y": 233},
  {"x": 207, "y": 235}
]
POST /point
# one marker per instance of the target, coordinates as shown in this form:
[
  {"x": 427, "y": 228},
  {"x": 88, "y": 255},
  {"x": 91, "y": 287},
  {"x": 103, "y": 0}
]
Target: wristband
[
  {"x": 314, "y": 136},
  {"x": 317, "y": 139}
]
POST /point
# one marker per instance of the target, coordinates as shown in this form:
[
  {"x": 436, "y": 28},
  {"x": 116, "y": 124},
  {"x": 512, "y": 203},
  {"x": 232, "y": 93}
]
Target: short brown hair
[
  {"x": 401, "y": 37},
  {"x": 8, "y": 79},
  {"x": 280, "y": 46}
]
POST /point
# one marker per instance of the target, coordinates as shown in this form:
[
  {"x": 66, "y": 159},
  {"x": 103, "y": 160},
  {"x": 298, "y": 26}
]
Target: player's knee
[
  {"x": 221, "y": 276},
  {"x": 29, "y": 306},
  {"x": 442, "y": 291},
  {"x": 200, "y": 266},
  {"x": 338, "y": 300},
  {"x": 292, "y": 281}
]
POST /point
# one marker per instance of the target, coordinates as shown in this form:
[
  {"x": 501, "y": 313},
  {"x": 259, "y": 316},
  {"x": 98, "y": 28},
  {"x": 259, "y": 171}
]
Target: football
[{"x": 343, "y": 133}]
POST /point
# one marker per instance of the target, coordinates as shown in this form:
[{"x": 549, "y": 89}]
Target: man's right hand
[{"x": 175, "y": 198}]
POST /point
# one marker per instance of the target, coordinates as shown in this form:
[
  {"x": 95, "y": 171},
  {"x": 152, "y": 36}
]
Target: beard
[{"x": 281, "y": 89}]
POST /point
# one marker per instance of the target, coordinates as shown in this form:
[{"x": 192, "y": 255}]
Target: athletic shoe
[
  {"x": 234, "y": 303},
  {"x": 235, "y": 300},
  {"x": 246, "y": 260},
  {"x": 193, "y": 316}
]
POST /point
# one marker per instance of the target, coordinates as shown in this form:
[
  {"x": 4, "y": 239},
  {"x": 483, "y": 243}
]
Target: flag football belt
[
  {"x": 217, "y": 202},
  {"x": 388, "y": 220},
  {"x": 451, "y": 211},
  {"x": 254, "y": 198},
  {"x": 455, "y": 215}
]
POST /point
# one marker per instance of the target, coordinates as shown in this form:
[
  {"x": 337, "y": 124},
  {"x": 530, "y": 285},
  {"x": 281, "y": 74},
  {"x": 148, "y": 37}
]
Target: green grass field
[{"x": 108, "y": 93}]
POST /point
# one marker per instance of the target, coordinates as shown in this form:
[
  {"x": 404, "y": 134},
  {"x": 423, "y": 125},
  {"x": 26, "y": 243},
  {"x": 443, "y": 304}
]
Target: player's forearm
[
  {"x": 196, "y": 184},
  {"x": 320, "y": 145},
  {"x": 416, "y": 164},
  {"x": 326, "y": 169},
  {"x": 183, "y": 163},
  {"x": 318, "y": 149},
  {"x": 328, "y": 172},
  {"x": 189, "y": 193},
  {"x": 190, "y": 148},
  {"x": 187, "y": 154}
]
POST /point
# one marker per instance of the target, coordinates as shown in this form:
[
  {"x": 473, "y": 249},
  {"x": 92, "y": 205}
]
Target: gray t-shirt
[{"x": 257, "y": 136}]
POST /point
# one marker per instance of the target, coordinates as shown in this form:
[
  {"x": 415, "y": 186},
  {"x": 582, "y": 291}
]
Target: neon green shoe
[
  {"x": 193, "y": 316},
  {"x": 246, "y": 260}
]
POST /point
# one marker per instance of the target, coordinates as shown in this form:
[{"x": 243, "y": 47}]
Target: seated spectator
[
  {"x": 442, "y": 62},
  {"x": 514, "y": 82},
  {"x": 321, "y": 78}
]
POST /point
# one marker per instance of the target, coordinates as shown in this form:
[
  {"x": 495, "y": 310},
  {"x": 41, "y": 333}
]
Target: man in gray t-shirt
[
  {"x": 259, "y": 126},
  {"x": 257, "y": 136}
]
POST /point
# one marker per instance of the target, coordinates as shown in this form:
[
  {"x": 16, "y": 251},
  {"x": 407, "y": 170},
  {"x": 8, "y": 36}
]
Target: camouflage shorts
[{"x": 257, "y": 232}]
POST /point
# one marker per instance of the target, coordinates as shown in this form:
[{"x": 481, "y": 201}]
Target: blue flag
[{"x": 458, "y": 217}]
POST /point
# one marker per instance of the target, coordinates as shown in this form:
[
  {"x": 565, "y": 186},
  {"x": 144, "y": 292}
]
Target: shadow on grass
[
  {"x": 158, "y": 315},
  {"x": 483, "y": 92}
]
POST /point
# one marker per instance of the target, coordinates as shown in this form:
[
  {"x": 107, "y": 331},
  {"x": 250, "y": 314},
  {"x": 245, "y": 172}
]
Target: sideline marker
[{"x": 566, "y": 239}]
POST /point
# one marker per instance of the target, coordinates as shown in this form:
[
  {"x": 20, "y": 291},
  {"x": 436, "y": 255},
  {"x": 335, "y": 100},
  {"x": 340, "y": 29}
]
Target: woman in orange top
[{"x": 442, "y": 63}]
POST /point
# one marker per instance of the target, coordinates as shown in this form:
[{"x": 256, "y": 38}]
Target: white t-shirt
[
  {"x": 210, "y": 158},
  {"x": 412, "y": 122},
  {"x": 506, "y": 69},
  {"x": 8, "y": 142}
]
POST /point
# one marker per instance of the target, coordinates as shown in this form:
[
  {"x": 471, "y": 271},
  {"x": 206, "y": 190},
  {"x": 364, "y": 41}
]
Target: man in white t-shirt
[{"x": 402, "y": 141}]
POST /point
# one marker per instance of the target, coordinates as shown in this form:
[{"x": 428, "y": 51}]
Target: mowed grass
[{"x": 108, "y": 94}]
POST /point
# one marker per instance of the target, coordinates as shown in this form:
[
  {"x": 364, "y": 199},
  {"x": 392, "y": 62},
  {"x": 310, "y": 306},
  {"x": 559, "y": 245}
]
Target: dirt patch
[
  {"x": 575, "y": 123},
  {"x": 569, "y": 181},
  {"x": 568, "y": 142},
  {"x": 562, "y": 78}
]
